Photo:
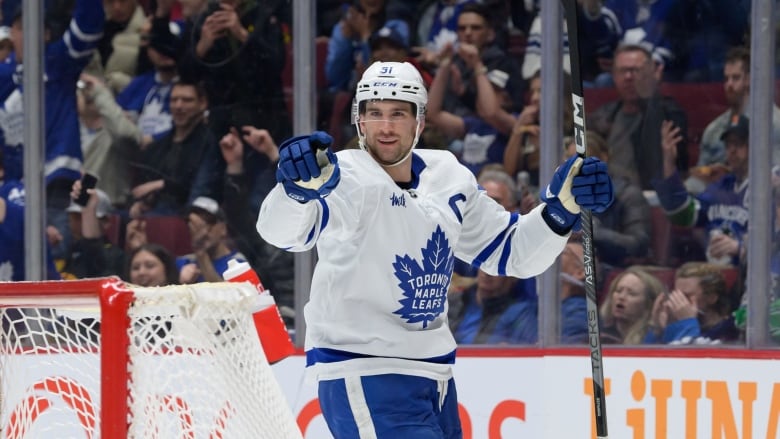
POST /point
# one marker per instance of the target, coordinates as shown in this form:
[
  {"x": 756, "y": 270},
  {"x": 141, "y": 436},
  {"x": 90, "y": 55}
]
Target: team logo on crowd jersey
[{"x": 425, "y": 286}]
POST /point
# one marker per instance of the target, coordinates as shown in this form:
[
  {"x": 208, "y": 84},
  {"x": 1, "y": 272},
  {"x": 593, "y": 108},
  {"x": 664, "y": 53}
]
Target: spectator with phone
[
  {"x": 91, "y": 254},
  {"x": 109, "y": 140}
]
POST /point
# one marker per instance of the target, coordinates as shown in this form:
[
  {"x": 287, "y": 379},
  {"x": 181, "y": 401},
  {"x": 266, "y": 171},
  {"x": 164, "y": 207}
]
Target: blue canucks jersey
[{"x": 64, "y": 60}]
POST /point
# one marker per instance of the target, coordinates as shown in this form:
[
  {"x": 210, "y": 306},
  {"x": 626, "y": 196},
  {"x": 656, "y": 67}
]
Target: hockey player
[{"x": 388, "y": 221}]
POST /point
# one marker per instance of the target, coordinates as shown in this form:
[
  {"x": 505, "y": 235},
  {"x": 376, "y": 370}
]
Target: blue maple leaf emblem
[{"x": 425, "y": 287}]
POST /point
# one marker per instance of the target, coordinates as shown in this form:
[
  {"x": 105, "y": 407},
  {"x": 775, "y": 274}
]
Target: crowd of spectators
[{"x": 177, "y": 107}]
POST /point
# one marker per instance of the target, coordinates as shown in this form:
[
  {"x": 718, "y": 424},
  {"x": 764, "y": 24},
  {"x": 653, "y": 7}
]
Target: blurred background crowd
[{"x": 177, "y": 107}]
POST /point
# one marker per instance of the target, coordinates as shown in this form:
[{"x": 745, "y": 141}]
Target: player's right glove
[
  {"x": 308, "y": 169},
  {"x": 577, "y": 183}
]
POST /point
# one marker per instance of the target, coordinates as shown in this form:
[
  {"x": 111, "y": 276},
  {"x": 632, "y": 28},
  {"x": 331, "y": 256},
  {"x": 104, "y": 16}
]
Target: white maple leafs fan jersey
[{"x": 378, "y": 294}]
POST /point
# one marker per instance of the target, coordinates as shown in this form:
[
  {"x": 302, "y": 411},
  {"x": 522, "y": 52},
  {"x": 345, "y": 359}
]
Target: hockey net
[{"x": 99, "y": 358}]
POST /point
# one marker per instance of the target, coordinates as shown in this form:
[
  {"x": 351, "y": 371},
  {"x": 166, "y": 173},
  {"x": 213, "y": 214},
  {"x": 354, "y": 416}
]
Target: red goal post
[{"x": 102, "y": 358}]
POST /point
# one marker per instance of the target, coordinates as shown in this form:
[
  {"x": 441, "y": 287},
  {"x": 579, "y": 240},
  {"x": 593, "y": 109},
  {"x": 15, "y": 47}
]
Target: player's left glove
[
  {"x": 577, "y": 184},
  {"x": 308, "y": 169}
]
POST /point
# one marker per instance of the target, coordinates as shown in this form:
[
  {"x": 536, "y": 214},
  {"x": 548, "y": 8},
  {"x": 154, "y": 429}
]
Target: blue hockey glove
[
  {"x": 577, "y": 184},
  {"x": 308, "y": 169}
]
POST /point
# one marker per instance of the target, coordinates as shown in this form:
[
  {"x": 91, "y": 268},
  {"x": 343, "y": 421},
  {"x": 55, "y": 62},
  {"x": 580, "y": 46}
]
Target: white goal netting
[{"x": 173, "y": 362}]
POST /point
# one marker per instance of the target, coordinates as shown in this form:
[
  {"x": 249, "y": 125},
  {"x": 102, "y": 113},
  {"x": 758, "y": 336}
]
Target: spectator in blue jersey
[
  {"x": 722, "y": 209},
  {"x": 91, "y": 253},
  {"x": 12, "y": 223},
  {"x": 146, "y": 99},
  {"x": 166, "y": 169},
  {"x": 109, "y": 140},
  {"x": 645, "y": 23},
  {"x": 626, "y": 312},
  {"x": 348, "y": 46},
  {"x": 65, "y": 57},
  {"x": 482, "y": 133},
  {"x": 210, "y": 244},
  {"x": 696, "y": 311},
  {"x": 632, "y": 123},
  {"x": 116, "y": 58}
]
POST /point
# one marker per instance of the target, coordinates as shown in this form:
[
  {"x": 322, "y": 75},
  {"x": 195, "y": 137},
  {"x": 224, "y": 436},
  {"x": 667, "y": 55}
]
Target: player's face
[
  {"x": 628, "y": 299},
  {"x": 389, "y": 127},
  {"x": 736, "y": 82},
  {"x": 147, "y": 270}
]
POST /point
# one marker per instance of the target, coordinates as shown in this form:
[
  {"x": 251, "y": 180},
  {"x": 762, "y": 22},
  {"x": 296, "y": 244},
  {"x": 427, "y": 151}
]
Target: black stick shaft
[{"x": 594, "y": 332}]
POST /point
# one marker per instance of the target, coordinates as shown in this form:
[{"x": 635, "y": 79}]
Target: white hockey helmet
[{"x": 393, "y": 81}]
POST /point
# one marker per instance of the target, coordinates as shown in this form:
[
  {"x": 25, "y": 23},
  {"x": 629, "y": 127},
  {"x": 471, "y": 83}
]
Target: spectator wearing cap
[
  {"x": 722, "y": 209},
  {"x": 6, "y": 45},
  {"x": 210, "y": 243},
  {"x": 348, "y": 46},
  {"x": 483, "y": 143},
  {"x": 146, "y": 99},
  {"x": 91, "y": 254}
]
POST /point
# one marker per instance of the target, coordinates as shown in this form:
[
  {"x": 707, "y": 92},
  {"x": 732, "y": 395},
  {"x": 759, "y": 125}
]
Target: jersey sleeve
[
  {"x": 504, "y": 243},
  {"x": 288, "y": 224}
]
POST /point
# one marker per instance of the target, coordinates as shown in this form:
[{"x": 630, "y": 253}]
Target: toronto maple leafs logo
[{"x": 425, "y": 287}]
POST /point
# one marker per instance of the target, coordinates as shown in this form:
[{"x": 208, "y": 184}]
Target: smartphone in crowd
[{"x": 88, "y": 181}]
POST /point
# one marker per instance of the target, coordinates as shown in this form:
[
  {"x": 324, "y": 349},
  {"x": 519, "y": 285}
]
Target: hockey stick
[{"x": 594, "y": 333}]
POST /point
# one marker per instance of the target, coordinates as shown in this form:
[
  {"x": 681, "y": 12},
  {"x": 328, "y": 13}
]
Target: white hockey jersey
[{"x": 378, "y": 294}]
